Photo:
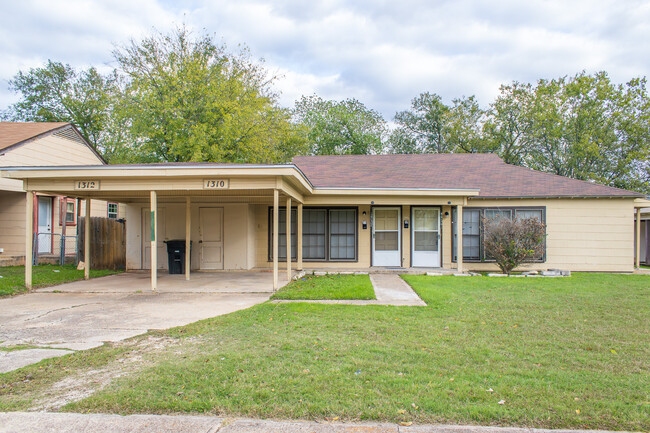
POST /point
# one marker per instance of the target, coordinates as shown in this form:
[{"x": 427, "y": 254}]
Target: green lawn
[
  {"x": 328, "y": 287},
  {"x": 13, "y": 277},
  {"x": 553, "y": 353}
]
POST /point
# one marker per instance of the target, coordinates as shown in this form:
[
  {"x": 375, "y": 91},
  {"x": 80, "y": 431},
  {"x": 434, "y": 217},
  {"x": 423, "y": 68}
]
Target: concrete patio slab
[
  {"x": 85, "y": 314},
  {"x": 200, "y": 282}
]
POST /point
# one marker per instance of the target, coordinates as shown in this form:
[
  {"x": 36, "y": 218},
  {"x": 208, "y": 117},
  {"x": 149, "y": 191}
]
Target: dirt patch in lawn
[{"x": 82, "y": 384}]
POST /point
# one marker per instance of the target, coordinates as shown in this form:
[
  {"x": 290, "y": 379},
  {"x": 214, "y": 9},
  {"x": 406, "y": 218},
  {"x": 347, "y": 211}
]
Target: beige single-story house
[
  {"x": 351, "y": 212},
  {"x": 24, "y": 144}
]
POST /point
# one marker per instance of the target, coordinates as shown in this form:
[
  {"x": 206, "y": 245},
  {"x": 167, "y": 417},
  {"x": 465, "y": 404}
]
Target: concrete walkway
[
  {"x": 22, "y": 422},
  {"x": 390, "y": 289}
]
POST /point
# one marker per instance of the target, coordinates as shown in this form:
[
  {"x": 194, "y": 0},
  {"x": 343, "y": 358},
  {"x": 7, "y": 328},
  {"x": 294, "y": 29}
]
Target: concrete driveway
[{"x": 85, "y": 314}]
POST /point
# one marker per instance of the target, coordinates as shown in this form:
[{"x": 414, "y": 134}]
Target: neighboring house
[
  {"x": 354, "y": 212},
  {"x": 38, "y": 144}
]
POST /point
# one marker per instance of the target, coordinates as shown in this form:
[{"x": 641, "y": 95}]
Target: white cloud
[{"x": 381, "y": 52}]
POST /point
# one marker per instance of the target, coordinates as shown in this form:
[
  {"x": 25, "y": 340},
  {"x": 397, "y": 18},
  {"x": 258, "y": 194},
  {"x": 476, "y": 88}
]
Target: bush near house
[{"x": 510, "y": 242}]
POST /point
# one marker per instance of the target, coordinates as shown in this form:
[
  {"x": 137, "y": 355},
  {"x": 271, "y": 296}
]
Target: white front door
[
  {"x": 425, "y": 237},
  {"x": 386, "y": 237},
  {"x": 211, "y": 237},
  {"x": 161, "y": 248},
  {"x": 44, "y": 225}
]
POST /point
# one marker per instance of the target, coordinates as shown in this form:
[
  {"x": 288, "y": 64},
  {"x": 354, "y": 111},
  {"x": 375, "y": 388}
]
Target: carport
[{"x": 173, "y": 184}]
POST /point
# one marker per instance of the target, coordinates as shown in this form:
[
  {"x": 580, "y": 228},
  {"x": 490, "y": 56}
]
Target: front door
[
  {"x": 211, "y": 237},
  {"x": 386, "y": 238},
  {"x": 44, "y": 225},
  {"x": 425, "y": 237}
]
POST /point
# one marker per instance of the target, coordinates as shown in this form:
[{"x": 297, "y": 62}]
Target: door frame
[
  {"x": 399, "y": 233},
  {"x": 440, "y": 238},
  {"x": 38, "y": 199}
]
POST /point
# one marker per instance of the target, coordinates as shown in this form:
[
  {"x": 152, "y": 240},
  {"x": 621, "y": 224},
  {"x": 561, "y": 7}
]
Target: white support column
[
  {"x": 299, "y": 234},
  {"x": 637, "y": 260},
  {"x": 188, "y": 234},
  {"x": 288, "y": 220},
  {"x": 276, "y": 226},
  {"x": 154, "y": 240},
  {"x": 459, "y": 245},
  {"x": 87, "y": 241},
  {"x": 29, "y": 237}
]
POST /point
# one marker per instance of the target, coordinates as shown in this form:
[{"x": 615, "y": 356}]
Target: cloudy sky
[{"x": 381, "y": 52}]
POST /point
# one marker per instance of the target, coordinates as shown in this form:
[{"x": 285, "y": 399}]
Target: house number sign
[
  {"x": 86, "y": 184},
  {"x": 216, "y": 183}
]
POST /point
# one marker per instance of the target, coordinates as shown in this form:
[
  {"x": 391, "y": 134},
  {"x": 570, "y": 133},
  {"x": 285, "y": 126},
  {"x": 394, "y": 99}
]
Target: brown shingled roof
[
  {"x": 16, "y": 132},
  {"x": 486, "y": 172}
]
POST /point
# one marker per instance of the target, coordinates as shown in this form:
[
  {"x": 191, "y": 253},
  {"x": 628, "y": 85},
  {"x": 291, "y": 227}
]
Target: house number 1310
[{"x": 216, "y": 183}]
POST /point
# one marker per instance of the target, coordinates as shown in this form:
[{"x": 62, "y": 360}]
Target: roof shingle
[
  {"x": 486, "y": 172},
  {"x": 15, "y": 132}
]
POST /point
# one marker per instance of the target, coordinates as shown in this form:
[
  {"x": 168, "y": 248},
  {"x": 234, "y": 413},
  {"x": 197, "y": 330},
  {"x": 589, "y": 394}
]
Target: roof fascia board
[{"x": 466, "y": 192}]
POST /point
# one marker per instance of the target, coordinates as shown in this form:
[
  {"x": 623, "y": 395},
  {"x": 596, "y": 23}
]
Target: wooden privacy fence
[{"x": 107, "y": 243}]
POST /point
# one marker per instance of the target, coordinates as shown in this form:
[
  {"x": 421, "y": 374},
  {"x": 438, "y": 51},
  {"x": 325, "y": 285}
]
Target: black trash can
[{"x": 176, "y": 255}]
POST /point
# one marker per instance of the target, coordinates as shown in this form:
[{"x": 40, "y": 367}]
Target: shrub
[{"x": 512, "y": 241}]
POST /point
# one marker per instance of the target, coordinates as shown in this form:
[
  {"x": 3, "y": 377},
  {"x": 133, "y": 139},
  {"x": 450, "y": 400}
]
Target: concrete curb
[{"x": 23, "y": 422}]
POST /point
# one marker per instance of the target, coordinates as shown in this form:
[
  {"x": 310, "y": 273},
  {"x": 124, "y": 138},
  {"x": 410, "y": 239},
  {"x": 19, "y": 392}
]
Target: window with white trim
[{"x": 112, "y": 210}]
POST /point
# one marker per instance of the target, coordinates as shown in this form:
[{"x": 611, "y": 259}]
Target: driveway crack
[{"x": 61, "y": 309}]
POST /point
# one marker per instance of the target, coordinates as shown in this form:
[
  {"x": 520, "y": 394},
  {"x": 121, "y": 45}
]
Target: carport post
[
  {"x": 188, "y": 222},
  {"x": 288, "y": 231},
  {"x": 459, "y": 238},
  {"x": 154, "y": 241},
  {"x": 87, "y": 241},
  {"x": 29, "y": 233},
  {"x": 299, "y": 243},
  {"x": 637, "y": 254},
  {"x": 276, "y": 226}
]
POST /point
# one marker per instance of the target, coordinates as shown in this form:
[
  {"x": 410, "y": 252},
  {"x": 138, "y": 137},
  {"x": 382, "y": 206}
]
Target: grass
[
  {"x": 328, "y": 287},
  {"x": 13, "y": 277},
  {"x": 557, "y": 353}
]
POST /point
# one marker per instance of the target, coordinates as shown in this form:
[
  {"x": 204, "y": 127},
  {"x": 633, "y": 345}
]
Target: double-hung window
[
  {"x": 328, "y": 234},
  {"x": 112, "y": 210},
  {"x": 67, "y": 211}
]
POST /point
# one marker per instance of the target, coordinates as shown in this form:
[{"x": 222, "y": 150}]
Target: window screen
[
  {"x": 528, "y": 213},
  {"x": 282, "y": 234},
  {"x": 313, "y": 234},
  {"x": 69, "y": 212},
  {"x": 342, "y": 234},
  {"x": 496, "y": 213}
]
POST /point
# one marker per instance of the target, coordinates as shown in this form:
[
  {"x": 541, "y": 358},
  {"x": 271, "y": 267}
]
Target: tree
[
  {"x": 57, "y": 92},
  {"x": 508, "y": 125},
  {"x": 510, "y": 242},
  {"x": 424, "y": 124},
  {"x": 341, "y": 127},
  {"x": 463, "y": 125},
  {"x": 188, "y": 99}
]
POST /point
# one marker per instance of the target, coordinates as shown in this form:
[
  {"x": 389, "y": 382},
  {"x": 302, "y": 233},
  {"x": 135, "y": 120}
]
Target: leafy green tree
[
  {"x": 425, "y": 124},
  {"x": 589, "y": 128},
  {"x": 508, "y": 125},
  {"x": 188, "y": 99},
  {"x": 341, "y": 127},
  {"x": 57, "y": 92},
  {"x": 463, "y": 126}
]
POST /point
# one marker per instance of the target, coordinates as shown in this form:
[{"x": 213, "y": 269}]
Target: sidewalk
[
  {"x": 28, "y": 422},
  {"x": 390, "y": 289}
]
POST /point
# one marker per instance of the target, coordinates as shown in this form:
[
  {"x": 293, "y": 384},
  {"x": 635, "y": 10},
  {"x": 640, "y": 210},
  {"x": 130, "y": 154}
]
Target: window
[
  {"x": 67, "y": 211},
  {"x": 343, "y": 234},
  {"x": 112, "y": 210},
  {"x": 473, "y": 229},
  {"x": 327, "y": 234},
  {"x": 471, "y": 234}
]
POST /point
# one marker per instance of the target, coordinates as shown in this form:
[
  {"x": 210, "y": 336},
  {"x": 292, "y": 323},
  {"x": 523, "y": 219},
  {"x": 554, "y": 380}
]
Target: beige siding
[
  {"x": 12, "y": 223},
  {"x": 582, "y": 234},
  {"x": 47, "y": 151},
  {"x": 236, "y": 227}
]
